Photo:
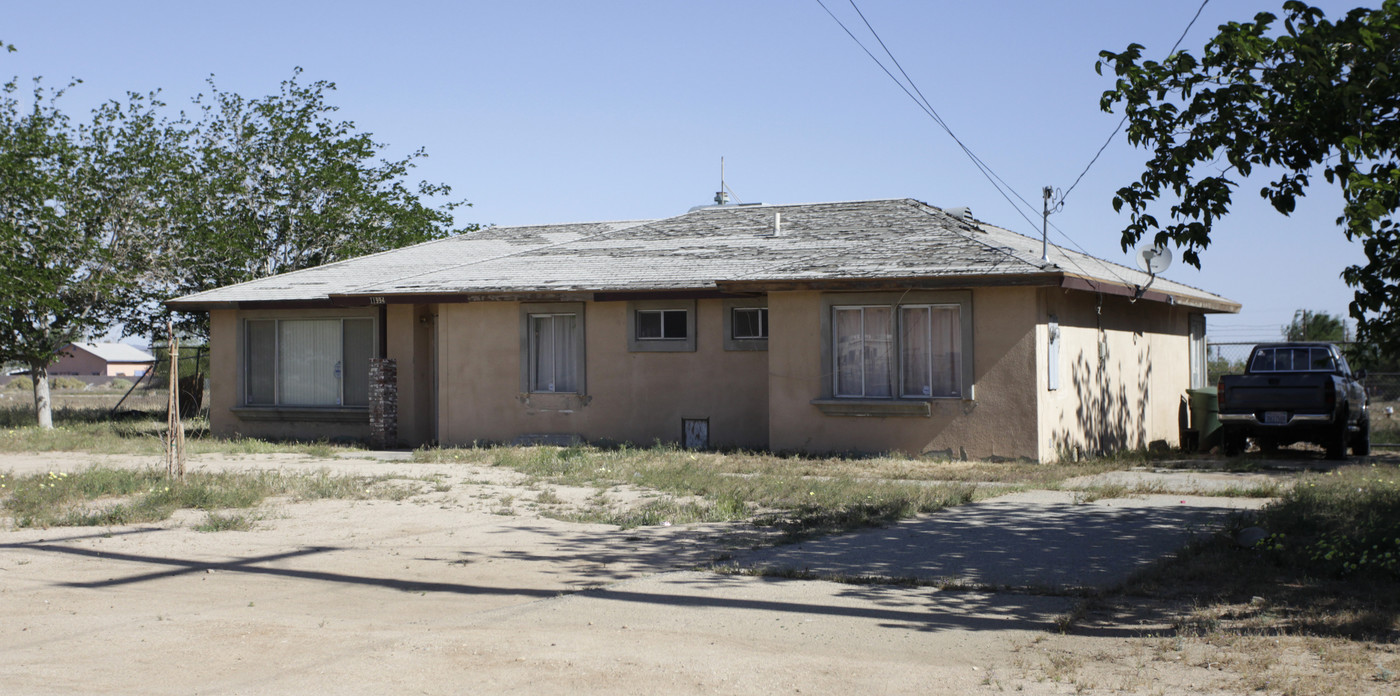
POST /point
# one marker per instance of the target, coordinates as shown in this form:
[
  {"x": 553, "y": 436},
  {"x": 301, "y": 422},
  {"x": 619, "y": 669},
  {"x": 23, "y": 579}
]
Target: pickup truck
[{"x": 1295, "y": 392}]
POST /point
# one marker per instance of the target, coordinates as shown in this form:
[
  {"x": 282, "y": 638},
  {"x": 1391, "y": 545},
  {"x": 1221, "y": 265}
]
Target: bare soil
[{"x": 467, "y": 587}]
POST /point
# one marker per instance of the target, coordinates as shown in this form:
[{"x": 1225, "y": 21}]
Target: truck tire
[
  {"x": 1336, "y": 443},
  {"x": 1231, "y": 442},
  {"x": 1361, "y": 442}
]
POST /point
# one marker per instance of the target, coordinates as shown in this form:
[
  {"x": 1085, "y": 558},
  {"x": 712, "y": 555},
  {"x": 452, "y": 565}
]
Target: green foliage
[
  {"x": 1219, "y": 365},
  {"x": 277, "y": 184},
  {"x": 21, "y": 383},
  {"x": 119, "y": 384},
  {"x": 82, "y": 214},
  {"x": 1312, "y": 94},
  {"x": 68, "y": 383},
  {"x": 1315, "y": 326},
  {"x": 103, "y": 220},
  {"x": 1343, "y": 523}
]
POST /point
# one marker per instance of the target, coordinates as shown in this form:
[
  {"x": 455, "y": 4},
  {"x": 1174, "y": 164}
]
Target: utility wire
[
  {"x": 922, "y": 102},
  {"x": 927, "y": 109},
  {"x": 1119, "y": 127}
]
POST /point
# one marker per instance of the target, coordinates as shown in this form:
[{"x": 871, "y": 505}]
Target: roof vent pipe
[
  {"x": 777, "y": 224},
  {"x": 961, "y": 212}
]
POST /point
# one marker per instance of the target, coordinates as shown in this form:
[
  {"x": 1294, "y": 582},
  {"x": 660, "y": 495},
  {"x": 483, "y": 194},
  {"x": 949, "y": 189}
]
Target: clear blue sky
[{"x": 540, "y": 112}]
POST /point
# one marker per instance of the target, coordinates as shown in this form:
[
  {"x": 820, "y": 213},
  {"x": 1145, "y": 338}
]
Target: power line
[
  {"x": 929, "y": 110},
  {"x": 1119, "y": 127},
  {"x": 923, "y": 103}
]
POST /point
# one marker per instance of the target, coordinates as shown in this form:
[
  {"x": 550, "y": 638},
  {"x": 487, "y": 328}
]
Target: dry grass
[
  {"x": 1300, "y": 613},
  {"x": 102, "y": 496}
]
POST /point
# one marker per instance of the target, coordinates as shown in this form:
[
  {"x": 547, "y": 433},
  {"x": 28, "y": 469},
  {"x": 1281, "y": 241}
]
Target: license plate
[{"x": 1275, "y": 418}]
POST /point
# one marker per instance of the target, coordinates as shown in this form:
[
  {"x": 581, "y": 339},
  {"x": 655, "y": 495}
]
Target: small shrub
[
  {"x": 1346, "y": 522},
  {"x": 67, "y": 383},
  {"x": 20, "y": 383},
  {"x": 215, "y": 522},
  {"x": 119, "y": 384}
]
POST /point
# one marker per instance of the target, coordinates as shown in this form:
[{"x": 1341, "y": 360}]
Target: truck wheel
[
  {"x": 1361, "y": 442},
  {"x": 1231, "y": 442},
  {"x": 1336, "y": 443}
]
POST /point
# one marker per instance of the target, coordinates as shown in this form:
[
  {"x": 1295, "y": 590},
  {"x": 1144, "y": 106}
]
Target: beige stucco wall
[
  {"x": 631, "y": 397},
  {"x": 410, "y": 339},
  {"x": 999, "y": 421},
  {"x": 1129, "y": 398}
]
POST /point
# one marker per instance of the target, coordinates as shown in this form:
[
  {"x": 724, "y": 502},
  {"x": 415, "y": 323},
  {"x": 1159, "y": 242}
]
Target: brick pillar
[{"x": 383, "y": 403}]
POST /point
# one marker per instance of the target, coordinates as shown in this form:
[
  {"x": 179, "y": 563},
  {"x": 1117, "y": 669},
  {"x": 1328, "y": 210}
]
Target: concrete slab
[{"x": 1040, "y": 539}]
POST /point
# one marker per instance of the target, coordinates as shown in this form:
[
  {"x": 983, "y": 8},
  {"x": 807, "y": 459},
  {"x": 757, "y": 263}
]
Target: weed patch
[
  {"x": 102, "y": 496},
  {"x": 216, "y": 522}
]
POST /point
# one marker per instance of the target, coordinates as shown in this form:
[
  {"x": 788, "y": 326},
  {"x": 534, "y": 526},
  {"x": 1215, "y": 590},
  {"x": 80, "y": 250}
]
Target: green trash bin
[{"x": 1205, "y": 417}]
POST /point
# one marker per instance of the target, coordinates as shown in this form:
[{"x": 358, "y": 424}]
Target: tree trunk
[{"x": 43, "y": 405}]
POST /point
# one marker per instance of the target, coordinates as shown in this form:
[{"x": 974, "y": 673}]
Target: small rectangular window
[
  {"x": 661, "y": 324},
  {"x": 749, "y": 323}
]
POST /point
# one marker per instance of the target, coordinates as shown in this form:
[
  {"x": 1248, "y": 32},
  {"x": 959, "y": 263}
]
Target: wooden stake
[{"x": 175, "y": 429}]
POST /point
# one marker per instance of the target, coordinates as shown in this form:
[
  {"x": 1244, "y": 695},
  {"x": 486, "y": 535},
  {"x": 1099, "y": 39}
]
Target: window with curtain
[
  {"x": 916, "y": 349},
  {"x": 307, "y": 362},
  {"x": 553, "y": 353}
]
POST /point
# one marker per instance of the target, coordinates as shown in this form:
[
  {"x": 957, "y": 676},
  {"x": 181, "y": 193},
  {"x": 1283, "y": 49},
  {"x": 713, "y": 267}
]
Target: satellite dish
[{"x": 1154, "y": 259}]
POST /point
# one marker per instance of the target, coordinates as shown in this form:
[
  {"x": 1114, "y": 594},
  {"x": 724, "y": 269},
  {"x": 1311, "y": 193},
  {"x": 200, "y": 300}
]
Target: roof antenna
[{"x": 721, "y": 196}]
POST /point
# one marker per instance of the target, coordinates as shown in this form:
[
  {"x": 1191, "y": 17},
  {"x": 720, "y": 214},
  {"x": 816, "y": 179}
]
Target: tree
[
  {"x": 80, "y": 210},
  {"x": 276, "y": 184},
  {"x": 1315, "y": 326},
  {"x": 1317, "y": 95}
]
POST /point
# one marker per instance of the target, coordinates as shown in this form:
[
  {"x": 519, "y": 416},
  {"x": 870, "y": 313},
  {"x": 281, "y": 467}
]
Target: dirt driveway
[{"x": 454, "y": 591}]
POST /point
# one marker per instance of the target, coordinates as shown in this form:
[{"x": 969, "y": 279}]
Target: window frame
[
  {"x": 895, "y": 302},
  {"x": 530, "y": 310},
  {"x": 660, "y": 345},
  {"x": 277, "y": 317},
  {"x": 728, "y": 307}
]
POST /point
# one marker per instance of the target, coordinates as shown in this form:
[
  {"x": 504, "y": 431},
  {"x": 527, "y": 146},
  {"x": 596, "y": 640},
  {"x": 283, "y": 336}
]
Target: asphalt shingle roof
[{"x": 699, "y": 250}]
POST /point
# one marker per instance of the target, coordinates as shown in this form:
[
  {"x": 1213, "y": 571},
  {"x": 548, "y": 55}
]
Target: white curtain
[
  {"x": 309, "y": 362},
  {"x": 565, "y": 354},
  {"x": 946, "y": 333},
  {"x": 554, "y": 352},
  {"x": 915, "y": 347},
  {"x": 879, "y": 353},
  {"x": 849, "y": 353},
  {"x": 863, "y": 339}
]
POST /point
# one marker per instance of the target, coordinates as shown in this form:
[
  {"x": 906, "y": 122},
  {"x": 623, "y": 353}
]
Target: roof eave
[{"x": 1207, "y": 304}]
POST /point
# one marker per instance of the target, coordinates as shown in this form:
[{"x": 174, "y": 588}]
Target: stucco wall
[
  {"x": 1123, "y": 374},
  {"x": 999, "y": 421},
  {"x": 637, "y": 397},
  {"x": 410, "y": 342}
]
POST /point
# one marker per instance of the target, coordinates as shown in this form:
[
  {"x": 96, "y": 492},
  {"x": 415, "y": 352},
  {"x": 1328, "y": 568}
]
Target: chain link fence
[{"x": 147, "y": 392}]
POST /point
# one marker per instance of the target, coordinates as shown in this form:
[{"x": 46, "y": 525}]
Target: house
[
  {"x": 107, "y": 359},
  {"x": 867, "y": 326}
]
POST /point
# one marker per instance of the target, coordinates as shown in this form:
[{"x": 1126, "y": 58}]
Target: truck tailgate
[{"x": 1291, "y": 392}]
